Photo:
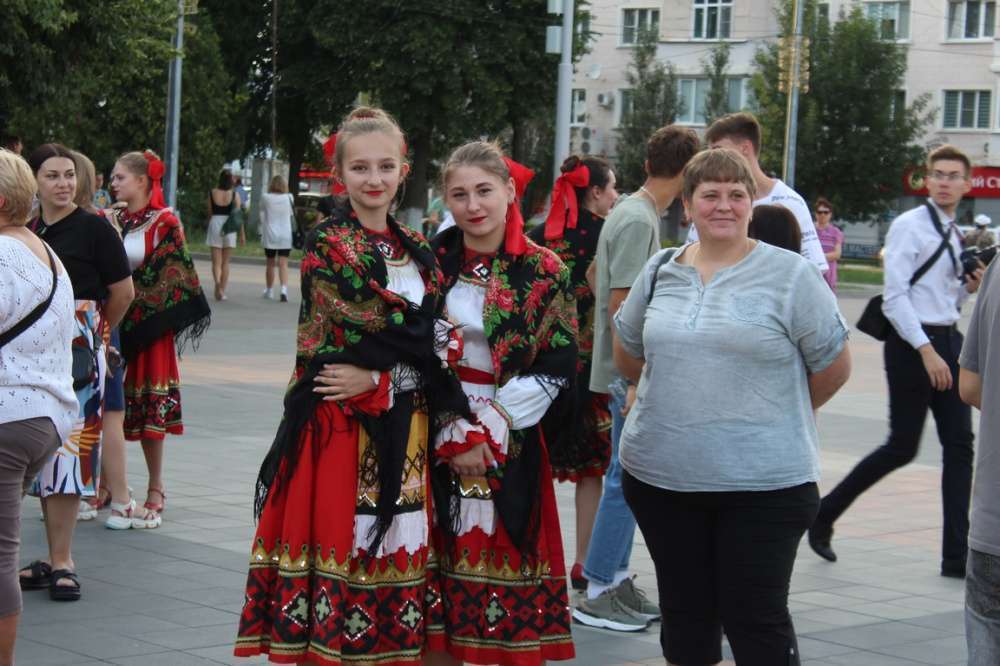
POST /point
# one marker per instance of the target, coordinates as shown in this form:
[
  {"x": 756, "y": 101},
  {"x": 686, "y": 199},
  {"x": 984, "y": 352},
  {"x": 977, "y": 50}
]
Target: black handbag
[
  {"x": 873, "y": 321},
  {"x": 84, "y": 364}
]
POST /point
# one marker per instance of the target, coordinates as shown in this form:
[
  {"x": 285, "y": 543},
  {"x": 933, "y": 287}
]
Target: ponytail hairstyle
[
  {"x": 600, "y": 173},
  {"x": 488, "y": 156},
  {"x": 46, "y": 151},
  {"x": 150, "y": 165}
]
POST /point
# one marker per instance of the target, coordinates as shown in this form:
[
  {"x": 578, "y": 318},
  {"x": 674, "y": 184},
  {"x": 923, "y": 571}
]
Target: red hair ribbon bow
[
  {"x": 514, "y": 242},
  {"x": 329, "y": 151},
  {"x": 155, "y": 169},
  {"x": 564, "y": 210}
]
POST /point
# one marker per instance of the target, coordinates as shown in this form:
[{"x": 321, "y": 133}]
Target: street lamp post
[
  {"x": 794, "y": 83},
  {"x": 172, "y": 141},
  {"x": 564, "y": 98}
]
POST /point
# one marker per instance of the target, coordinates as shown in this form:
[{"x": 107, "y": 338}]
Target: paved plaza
[{"x": 171, "y": 597}]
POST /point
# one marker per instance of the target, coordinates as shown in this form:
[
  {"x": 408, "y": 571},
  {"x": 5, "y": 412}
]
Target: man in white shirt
[
  {"x": 741, "y": 132},
  {"x": 921, "y": 359}
]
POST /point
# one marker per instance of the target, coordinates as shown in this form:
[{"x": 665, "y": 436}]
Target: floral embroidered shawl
[
  {"x": 168, "y": 294},
  {"x": 349, "y": 316},
  {"x": 529, "y": 318}
]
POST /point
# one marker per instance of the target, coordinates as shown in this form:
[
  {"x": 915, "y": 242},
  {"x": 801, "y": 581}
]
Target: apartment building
[{"x": 952, "y": 55}]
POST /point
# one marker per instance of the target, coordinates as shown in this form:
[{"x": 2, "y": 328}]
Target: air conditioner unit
[
  {"x": 591, "y": 141},
  {"x": 607, "y": 100}
]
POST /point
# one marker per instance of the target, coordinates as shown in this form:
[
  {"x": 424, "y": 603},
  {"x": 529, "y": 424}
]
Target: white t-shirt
[
  {"x": 782, "y": 195},
  {"x": 276, "y": 221}
]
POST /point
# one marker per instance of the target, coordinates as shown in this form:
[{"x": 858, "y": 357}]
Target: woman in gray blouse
[{"x": 734, "y": 344}]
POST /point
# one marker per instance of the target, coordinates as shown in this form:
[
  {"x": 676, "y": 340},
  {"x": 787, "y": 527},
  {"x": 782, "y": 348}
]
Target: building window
[
  {"x": 713, "y": 19},
  {"x": 626, "y": 100},
  {"x": 634, "y": 21},
  {"x": 966, "y": 109},
  {"x": 891, "y": 18},
  {"x": 736, "y": 95},
  {"x": 691, "y": 95},
  {"x": 897, "y": 106},
  {"x": 823, "y": 12},
  {"x": 578, "y": 114},
  {"x": 971, "y": 19}
]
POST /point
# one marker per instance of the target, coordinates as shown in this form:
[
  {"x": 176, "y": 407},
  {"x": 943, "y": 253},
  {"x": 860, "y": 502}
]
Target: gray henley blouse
[{"x": 723, "y": 402}]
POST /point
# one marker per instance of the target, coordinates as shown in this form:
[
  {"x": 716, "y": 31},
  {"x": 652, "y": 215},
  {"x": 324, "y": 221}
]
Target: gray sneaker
[
  {"x": 608, "y": 612},
  {"x": 636, "y": 600}
]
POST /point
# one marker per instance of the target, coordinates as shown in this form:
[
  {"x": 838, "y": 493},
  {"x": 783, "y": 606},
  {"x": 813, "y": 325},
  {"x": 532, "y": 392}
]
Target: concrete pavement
[{"x": 172, "y": 596}]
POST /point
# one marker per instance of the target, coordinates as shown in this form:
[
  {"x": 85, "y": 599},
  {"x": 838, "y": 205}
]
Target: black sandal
[
  {"x": 64, "y": 592},
  {"x": 40, "y": 578}
]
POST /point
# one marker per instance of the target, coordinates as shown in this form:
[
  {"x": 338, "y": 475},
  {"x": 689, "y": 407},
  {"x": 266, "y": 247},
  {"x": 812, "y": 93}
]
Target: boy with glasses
[
  {"x": 921, "y": 359},
  {"x": 830, "y": 237}
]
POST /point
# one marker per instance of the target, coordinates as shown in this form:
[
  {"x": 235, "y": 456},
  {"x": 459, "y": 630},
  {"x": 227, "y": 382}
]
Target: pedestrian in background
[
  {"x": 722, "y": 484},
  {"x": 241, "y": 192},
  {"x": 830, "y": 237},
  {"x": 222, "y": 201},
  {"x": 37, "y": 403},
  {"x": 979, "y": 386},
  {"x": 102, "y": 199},
  {"x": 777, "y": 226},
  {"x": 165, "y": 316},
  {"x": 629, "y": 237},
  {"x": 580, "y": 446},
  {"x": 921, "y": 360},
  {"x": 102, "y": 285},
  {"x": 981, "y": 237},
  {"x": 86, "y": 182},
  {"x": 276, "y": 213}
]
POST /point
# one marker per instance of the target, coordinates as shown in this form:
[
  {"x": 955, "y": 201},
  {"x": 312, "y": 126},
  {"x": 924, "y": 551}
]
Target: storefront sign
[{"x": 985, "y": 182}]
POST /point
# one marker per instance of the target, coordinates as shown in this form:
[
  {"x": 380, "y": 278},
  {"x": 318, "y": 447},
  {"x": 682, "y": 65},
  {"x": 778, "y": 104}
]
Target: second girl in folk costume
[
  {"x": 169, "y": 311},
  {"x": 581, "y": 199},
  {"x": 502, "y": 569},
  {"x": 339, "y": 569}
]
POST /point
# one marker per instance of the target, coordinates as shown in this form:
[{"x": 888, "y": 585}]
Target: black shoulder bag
[
  {"x": 667, "y": 256},
  {"x": 36, "y": 314},
  {"x": 873, "y": 321}
]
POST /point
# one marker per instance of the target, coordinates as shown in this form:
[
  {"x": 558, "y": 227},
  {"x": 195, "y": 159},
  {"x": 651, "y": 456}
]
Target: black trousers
[
  {"x": 910, "y": 396},
  {"x": 723, "y": 562}
]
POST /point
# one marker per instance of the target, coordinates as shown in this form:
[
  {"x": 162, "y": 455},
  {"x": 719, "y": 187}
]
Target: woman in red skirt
[
  {"x": 339, "y": 568},
  {"x": 168, "y": 311},
  {"x": 503, "y": 575},
  {"x": 580, "y": 447}
]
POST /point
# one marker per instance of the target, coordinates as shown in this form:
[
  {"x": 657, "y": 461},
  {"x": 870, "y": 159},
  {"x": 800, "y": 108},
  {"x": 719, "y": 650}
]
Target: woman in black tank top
[{"x": 222, "y": 201}]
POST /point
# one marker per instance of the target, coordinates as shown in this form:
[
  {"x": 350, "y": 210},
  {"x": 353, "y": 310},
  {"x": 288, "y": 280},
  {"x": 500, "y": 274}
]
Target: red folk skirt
[
  {"x": 595, "y": 449},
  {"x": 311, "y": 594},
  {"x": 153, "y": 392}
]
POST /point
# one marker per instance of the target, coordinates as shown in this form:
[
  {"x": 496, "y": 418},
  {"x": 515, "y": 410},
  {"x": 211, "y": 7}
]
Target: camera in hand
[{"x": 972, "y": 256}]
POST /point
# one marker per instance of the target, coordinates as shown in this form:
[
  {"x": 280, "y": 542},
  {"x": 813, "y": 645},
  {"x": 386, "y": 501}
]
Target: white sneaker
[
  {"x": 121, "y": 516},
  {"x": 267, "y": 295}
]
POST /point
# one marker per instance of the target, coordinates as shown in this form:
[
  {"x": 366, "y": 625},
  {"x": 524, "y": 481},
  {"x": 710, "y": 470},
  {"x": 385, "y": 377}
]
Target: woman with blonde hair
[
  {"x": 276, "y": 210},
  {"x": 86, "y": 182},
  {"x": 37, "y": 326}
]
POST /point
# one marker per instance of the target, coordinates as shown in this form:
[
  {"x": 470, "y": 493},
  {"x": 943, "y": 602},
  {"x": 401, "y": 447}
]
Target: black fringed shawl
[
  {"x": 168, "y": 294},
  {"x": 529, "y": 317},
  {"x": 348, "y": 316}
]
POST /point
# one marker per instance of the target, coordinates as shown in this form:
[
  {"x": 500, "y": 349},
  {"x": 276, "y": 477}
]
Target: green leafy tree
[
  {"x": 654, "y": 103},
  {"x": 854, "y": 138},
  {"x": 715, "y": 67}
]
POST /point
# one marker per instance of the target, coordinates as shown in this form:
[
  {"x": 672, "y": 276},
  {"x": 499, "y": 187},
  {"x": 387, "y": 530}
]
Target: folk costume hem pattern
[
  {"x": 341, "y": 568},
  {"x": 169, "y": 311},
  {"x": 502, "y": 572}
]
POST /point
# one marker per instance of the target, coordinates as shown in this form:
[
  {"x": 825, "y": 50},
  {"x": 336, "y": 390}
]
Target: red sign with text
[{"x": 985, "y": 182}]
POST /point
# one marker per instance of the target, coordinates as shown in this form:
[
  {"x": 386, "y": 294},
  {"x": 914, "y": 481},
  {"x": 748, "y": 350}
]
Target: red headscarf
[
  {"x": 514, "y": 241},
  {"x": 155, "y": 169},
  {"x": 565, "y": 209},
  {"x": 329, "y": 150}
]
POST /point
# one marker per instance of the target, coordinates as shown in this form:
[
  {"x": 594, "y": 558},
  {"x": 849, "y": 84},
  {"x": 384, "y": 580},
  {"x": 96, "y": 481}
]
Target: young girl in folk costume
[
  {"x": 581, "y": 199},
  {"x": 501, "y": 557},
  {"x": 169, "y": 310},
  {"x": 339, "y": 564}
]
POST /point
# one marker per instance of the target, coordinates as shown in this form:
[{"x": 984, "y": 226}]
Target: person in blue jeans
[
  {"x": 629, "y": 237},
  {"x": 979, "y": 386}
]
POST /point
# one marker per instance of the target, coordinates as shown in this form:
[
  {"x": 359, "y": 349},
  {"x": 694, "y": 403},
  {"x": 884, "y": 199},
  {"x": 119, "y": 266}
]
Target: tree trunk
[
  {"x": 411, "y": 210},
  {"x": 297, "y": 138}
]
